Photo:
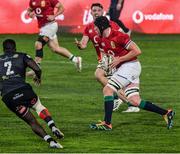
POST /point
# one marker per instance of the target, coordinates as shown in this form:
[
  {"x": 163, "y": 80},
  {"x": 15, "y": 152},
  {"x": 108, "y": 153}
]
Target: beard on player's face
[{"x": 96, "y": 12}]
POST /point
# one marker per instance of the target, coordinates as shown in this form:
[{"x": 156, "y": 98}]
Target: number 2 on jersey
[{"x": 8, "y": 64}]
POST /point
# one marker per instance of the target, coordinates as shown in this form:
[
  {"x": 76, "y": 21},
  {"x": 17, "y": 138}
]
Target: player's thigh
[
  {"x": 99, "y": 73},
  {"x": 53, "y": 44},
  {"x": 19, "y": 110},
  {"x": 49, "y": 30},
  {"x": 20, "y": 99},
  {"x": 126, "y": 74}
]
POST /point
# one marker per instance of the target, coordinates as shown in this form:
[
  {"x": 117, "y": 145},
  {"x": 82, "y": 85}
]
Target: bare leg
[
  {"x": 54, "y": 45},
  {"x": 37, "y": 129}
]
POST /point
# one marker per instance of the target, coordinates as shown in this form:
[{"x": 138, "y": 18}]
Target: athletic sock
[
  {"x": 108, "y": 105},
  {"x": 45, "y": 115},
  {"x": 146, "y": 105},
  {"x": 115, "y": 95},
  {"x": 48, "y": 138},
  {"x": 129, "y": 104},
  {"x": 73, "y": 58}
]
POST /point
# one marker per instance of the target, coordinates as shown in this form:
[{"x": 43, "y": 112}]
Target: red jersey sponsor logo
[{"x": 42, "y": 9}]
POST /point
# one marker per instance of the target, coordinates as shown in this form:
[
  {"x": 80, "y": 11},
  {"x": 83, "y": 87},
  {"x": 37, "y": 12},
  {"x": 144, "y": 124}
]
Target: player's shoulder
[
  {"x": 118, "y": 36},
  {"x": 119, "y": 33},
  {"x": 20, "y": 54}
]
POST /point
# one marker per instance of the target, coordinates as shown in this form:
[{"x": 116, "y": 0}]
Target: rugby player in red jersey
[
  {"x": 126, "y": 76},
  {"x": 103, "y": 70},
  {"x": 46, "y": 11}
]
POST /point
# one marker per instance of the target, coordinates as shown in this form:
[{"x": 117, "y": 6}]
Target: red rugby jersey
[
  {"x": 42, "y": 8},
  {"x": 92, "y": 34}
]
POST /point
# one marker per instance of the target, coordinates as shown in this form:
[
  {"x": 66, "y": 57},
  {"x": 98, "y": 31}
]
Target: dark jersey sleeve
[
  {"x": 0, "y": 87},
  {"x": 33, "y": 65}
]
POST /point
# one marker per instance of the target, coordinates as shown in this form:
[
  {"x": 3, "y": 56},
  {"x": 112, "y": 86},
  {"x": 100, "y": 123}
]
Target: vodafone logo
[
  {"x": 138, "y": 17},
  {"x": 24, "y": 17}
]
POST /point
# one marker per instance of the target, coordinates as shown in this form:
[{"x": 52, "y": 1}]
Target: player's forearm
[
  {"x": 83, "y": 43},
  {"x": 38, "y": 73},
  {"x": 60, "y": 9},
  {"x": 134, "y": 51},
  {"x": 130, "y": 55},
  {"x": 31, "y": 13},
  {"x": 35, "y": 67}
]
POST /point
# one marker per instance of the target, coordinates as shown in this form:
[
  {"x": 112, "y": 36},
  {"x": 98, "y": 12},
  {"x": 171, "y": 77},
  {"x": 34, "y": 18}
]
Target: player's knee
[
  {"x": 99, "y": 74},
  {"x": 132, "y": 95},
  {"x": 114, "y": 85},
  {"x": 134, "y": 102},
  {"x": 108, "y": 91},
  {"x": 38, "y": 107},
  {"x": 38, "y": 45},
  {"x": 41, "y": 42}
]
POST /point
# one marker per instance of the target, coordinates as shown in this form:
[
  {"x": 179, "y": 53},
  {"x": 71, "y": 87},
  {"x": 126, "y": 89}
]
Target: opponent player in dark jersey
[
  {"x": 126, "y": 77},
  {"x": 115, "y": 9},
  {"x": 19, "y": 96},
  {"x": 46, "y": 11}
]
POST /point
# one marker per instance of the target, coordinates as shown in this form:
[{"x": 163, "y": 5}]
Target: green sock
[
  {"x": 115, "y": 95},
  {"x": 129, "y": 104},
  {"x": 108, "y": 106}
]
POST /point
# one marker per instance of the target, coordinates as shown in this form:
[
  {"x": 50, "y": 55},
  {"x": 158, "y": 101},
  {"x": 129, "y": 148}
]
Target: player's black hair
[
  {"x": 9, "y": 45},
  {"x": 102, "y": 23},
  {"x": 96, "y": 4}
]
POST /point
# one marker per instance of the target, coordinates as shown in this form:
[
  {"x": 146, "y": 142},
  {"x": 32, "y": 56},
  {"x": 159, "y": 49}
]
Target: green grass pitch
[{"x": 75, "y": 100}]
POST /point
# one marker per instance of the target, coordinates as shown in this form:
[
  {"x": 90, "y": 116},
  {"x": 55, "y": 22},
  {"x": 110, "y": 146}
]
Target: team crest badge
[
  {"x": 43, "y": 3},
  {"x": 90, "y": 31},
  {"x": 33, "y": 3},
  {"x": 113, "y": 45},
  {"x": 103, "y": 44}
]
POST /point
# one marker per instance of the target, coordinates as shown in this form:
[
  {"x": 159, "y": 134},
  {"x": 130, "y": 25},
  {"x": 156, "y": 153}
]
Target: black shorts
[{"x": 20, "y": 100}]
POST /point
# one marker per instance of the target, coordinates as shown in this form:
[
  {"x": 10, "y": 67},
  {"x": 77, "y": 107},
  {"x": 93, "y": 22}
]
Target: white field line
[{"x": 86, "y": 64}]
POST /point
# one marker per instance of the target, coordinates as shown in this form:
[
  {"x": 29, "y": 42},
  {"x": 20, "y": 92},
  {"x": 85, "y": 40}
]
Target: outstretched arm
[
  {"x": 35, "y": 67},
  {"x": 83, "y": 43}
]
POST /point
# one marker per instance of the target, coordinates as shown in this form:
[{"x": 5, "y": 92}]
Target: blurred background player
[
  {"x": 46, "y": 11},
  {"x": 115, "y": 9},
  {"x": 127, "y": 75},
  {"x": 103, "y": 70},
  {"x": 19, "y": 96}
]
